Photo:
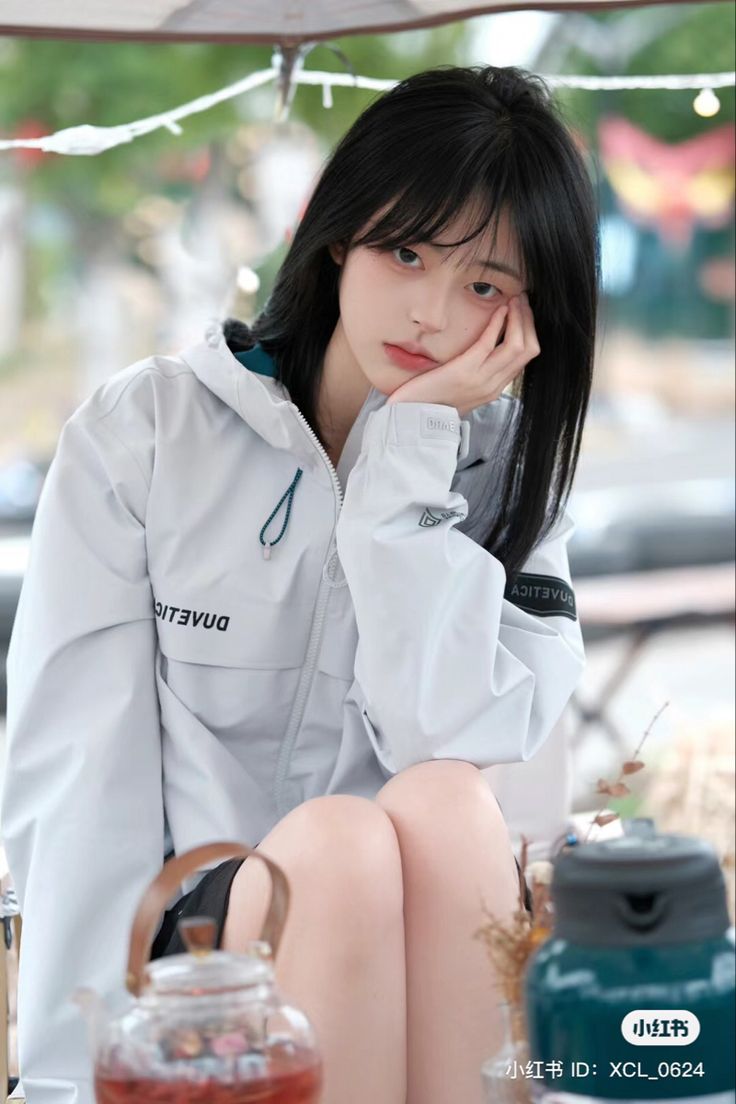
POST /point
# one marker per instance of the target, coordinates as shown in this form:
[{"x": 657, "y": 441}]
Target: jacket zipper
[
  {"x": 322, "y": 452},
  {"x": 315, "y": 639}
]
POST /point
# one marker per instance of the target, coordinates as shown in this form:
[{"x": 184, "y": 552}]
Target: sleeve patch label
[
  {"x": 543, "y": 595},
  {"x": 439, "y": 425},
  {"x": 429, "y": 517}
]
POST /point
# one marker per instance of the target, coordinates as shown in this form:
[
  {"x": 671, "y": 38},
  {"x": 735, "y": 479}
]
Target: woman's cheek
[
  {"x": 473, "y": 322},
  {"x": 477, "y": 319}
]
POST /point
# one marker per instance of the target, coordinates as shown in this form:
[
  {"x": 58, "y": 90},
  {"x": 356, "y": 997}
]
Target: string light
[
  {"x": 671, "y": 82},
  {"x": 87, "y": 140},
  {"x": 706, "y": 103},
  {"x": 247, "y": 280}
]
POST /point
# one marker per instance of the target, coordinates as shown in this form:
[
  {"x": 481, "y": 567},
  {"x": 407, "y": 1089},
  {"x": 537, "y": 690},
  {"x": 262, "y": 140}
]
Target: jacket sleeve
[
  {"x": 448, "y": 667},
  {"x": 82, "y": 805}
]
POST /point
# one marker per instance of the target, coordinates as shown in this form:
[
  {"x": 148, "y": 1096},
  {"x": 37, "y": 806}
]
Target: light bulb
[
  {"x": 706, "y": 103},
  {"x": 247, "y": 280}
]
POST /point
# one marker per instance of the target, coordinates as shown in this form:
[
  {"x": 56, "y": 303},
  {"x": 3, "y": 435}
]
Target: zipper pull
[{"x": 267, "y": 551}]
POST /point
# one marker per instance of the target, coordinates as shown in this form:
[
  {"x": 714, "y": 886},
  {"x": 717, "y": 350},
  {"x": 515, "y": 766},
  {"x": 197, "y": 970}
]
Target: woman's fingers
[
  {"x": 488, "y": 340},
  {"x": 531, "y": 342},
  {"x": 514, "y": 340},
  {"x": 518, "y": 347}
]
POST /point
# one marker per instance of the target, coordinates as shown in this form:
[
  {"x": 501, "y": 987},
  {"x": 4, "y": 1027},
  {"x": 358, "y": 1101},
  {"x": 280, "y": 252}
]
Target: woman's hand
[{"x": 482, "y": 372}]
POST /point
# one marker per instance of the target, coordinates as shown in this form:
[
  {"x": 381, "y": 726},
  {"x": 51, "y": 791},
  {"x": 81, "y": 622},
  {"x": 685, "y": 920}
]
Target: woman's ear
[{"x": 337, "y": 252}]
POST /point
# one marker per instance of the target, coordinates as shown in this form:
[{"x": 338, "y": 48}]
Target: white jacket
[{"x": 171, "y": 683}]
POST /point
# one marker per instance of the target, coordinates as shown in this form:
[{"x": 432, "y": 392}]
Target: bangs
[
  {"x": 416, "y": 218},
  {"x": 425, "y": 204}
]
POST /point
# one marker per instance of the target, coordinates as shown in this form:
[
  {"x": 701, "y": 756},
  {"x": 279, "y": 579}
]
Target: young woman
[{"x": 299, "y": 583}]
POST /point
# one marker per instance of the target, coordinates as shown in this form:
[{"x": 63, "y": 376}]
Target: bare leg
[
  {"x": 342, "y": 955},
  {"x": 456, "y": 855}
]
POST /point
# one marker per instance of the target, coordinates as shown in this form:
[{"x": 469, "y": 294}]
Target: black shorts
[{"x": 211, "y": 898}]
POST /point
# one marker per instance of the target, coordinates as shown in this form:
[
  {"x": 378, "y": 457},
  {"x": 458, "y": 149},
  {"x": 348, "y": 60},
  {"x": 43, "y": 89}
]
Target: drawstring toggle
[{"x": 287, "y": 497}]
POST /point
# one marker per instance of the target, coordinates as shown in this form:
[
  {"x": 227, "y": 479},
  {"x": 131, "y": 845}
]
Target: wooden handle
[{"x": 164, "y": 886}]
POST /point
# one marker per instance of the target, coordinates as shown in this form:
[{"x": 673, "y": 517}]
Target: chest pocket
[
  {"x": 218, "y": 632},
  {"x": 236, "y": 670}
]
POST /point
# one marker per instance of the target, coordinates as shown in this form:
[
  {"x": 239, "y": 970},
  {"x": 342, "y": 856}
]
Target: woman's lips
[{"x": 410, "y": 361}]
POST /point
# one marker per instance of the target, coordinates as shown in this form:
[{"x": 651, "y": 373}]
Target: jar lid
[
  {"x": 202, "y": 970},
  {"x": 220, "y": 972},
  {"x": 639, "y": 890}
]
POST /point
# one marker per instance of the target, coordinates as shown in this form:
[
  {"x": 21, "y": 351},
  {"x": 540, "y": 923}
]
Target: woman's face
[{"x": 425, "y": 296}]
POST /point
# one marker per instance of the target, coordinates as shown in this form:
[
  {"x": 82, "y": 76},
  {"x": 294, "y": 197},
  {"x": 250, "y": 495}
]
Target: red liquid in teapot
[{"x": 296, "y": 1087}]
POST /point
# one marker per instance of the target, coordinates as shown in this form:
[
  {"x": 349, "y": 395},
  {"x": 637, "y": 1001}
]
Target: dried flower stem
[{"x": 618, "y": 788}]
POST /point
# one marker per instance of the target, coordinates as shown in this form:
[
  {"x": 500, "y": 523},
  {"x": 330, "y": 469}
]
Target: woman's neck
[{"x": 343, "y": 390}]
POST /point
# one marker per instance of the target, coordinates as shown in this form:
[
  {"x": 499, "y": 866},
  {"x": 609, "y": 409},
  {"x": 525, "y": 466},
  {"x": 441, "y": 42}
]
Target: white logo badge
[{"x": 660, "y": 1027}]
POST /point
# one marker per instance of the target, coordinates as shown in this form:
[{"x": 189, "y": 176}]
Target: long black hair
[{"x": 445, "y": 141}]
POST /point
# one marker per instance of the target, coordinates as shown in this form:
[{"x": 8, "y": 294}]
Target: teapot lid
[{"x": 203, "y": 970}]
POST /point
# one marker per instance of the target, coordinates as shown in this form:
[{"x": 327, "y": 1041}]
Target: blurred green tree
[
  {"x": 49, "y": 85},
  {"x": 79, "y": 204},
  {"x": 667, "y": 38}
]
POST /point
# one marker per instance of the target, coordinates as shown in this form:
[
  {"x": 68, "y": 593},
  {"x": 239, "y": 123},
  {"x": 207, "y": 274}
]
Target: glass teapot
[{"x": 207, "y": 1026}]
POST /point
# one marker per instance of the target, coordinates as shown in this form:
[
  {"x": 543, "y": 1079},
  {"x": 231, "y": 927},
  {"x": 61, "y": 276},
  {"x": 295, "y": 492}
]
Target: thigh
[
  {"x": 337, "y": 848},
  {"x": 435, "y": 802},
  {"x": 342, "y": 860}
]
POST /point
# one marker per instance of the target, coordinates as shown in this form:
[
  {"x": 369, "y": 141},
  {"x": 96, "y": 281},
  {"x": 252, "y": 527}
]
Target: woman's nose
[{"x": 430, "y": 309}]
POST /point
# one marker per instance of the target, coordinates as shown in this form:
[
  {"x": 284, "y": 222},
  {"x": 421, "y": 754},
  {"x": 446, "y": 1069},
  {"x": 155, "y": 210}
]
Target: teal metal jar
[{"x": 632, "y": 997}]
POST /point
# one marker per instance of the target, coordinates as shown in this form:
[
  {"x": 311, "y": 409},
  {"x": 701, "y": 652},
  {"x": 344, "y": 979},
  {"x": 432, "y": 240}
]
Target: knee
[
  {"x": 441, "y": 792},
  {"x": 345, "y": 853},
  {"x": 351, "y": 833}
]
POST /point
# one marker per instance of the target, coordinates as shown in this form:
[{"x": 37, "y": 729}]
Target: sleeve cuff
[{"x": 417, "y": 424}]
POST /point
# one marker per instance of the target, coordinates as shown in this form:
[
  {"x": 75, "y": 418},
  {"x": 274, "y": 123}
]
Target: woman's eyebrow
[{"x": 499, "y": 266}]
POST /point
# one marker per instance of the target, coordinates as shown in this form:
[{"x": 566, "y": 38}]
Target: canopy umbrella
[{"x": 288, "y": 22}]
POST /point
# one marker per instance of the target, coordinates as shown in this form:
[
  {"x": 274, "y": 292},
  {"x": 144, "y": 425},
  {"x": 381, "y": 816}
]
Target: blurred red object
[
  {"x": 29, "y": 128},
  {"x": 670, "y": 187},
  {"x": 189, "y": 166}
]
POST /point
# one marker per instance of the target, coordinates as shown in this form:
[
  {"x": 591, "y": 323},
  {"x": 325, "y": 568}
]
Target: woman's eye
[
  {"x": 402, "y": 249},
  {"x": 488, "y": 291}
]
